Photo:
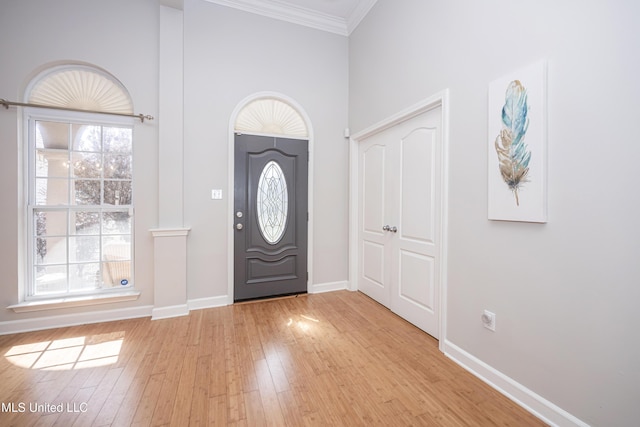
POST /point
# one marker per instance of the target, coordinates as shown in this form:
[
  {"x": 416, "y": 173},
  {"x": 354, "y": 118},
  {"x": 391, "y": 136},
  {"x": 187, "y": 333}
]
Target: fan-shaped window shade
[
  {"x": 271, "y": 116},
  {"x": 81, "y": 88}
]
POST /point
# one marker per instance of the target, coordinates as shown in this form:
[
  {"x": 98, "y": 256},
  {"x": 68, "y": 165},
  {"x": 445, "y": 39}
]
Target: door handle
[
  {"x": 386, "y": 228},
  {"x": 393, "y": 229},
  {"x": 239, "y": 226}
]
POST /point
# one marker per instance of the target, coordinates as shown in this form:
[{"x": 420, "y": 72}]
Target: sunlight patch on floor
[{"x": 68, "y": 353}]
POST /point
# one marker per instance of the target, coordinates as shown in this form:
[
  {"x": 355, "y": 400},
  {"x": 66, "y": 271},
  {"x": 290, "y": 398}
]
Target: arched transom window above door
[{"x": 271, "y": 116}]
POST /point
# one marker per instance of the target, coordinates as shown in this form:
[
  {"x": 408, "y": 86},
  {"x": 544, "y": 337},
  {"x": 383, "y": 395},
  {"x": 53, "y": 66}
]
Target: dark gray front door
[{"x": 270, "y": 216}]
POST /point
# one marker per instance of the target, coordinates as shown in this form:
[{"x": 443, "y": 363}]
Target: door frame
[
  {"x": 231, "y": 178},
  {"x": 440, "y": 99}
]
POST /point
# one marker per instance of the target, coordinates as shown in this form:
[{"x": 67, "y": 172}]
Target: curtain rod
[{"x": 6, "y": 105}]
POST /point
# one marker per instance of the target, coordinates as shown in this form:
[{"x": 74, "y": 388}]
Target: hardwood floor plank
[
  {"x": 268, "y": 395},
  {"x": 218, "y": 410},
  {"x": 184, "y": 393},
  {"x": 200, "y": 402},
  {"x": 337, "y": 359}
]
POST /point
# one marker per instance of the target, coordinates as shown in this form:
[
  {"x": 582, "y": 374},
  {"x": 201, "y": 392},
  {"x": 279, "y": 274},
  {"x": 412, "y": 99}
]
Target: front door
[
  {"x": 270, "y": 216},
  {"x": 400, "y": 222}
]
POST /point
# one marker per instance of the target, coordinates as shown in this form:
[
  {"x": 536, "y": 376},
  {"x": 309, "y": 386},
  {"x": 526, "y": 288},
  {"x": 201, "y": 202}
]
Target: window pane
[
  {"x": 117, "y": 166},
  {"x": 50, "y": 250},
  {"x": 116, "y": 253},
  {"x": 84, "y": 248},
  {"x": 86, "y": 192},
  {"x": 52, "y": 135},
  {"x": 52, "y": 192},
  {"x": 50, "y": 279},
  {"x": 87, "y": 165},
  {"x": 83, "y": 277},
  {"x": 86, "y": 137},
  {"x": 116, "y": 248},
  {"x": 116, "y": 222},
  {"x": 53, "y": 164},
  {"x": 83, "y": 222},
  {"x": 117, "y": 193},
  {"x": 117, "y": 139},
  {"x": 50, "y": 223}
]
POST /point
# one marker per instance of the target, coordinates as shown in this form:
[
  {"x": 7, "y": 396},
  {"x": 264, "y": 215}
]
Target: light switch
[{"x": 216, "y": 194}]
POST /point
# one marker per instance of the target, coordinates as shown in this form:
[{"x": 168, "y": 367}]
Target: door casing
[
  {"x": 441, "y": 99},
  {"x": 231, "y": 177}
]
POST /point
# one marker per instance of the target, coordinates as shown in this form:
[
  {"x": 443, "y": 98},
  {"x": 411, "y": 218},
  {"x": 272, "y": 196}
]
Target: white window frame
[{"x": 30, "y": 116}]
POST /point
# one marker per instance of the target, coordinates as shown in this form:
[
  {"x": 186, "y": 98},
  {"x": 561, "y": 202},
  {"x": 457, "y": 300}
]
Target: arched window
[
  {"x": 271, "y": 116},
  {"x": 80, "y": 178}
]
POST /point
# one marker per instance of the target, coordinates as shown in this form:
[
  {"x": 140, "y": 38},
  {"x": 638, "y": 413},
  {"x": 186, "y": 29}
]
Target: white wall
[
  {"x": 566, "y": 292},
  {"x": 119, "y": 36},
  {"x": 230, "y": 55}
]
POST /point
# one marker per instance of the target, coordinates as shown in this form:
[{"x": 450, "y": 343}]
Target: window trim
[{"x": 30, "y": 301}]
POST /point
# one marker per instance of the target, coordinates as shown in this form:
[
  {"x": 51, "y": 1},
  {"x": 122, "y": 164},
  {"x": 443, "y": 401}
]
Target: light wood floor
[{"x": 334, "y": 359}]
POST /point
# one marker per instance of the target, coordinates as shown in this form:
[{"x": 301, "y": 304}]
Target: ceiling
[{"x": 335, "y": 16}]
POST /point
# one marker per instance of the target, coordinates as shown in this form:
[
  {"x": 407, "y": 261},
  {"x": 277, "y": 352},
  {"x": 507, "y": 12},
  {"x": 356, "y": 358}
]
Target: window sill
[{"x": 79, "y": 301}]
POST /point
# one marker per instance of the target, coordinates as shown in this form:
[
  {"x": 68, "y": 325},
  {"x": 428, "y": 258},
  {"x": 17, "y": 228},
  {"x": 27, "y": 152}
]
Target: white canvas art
[{"x": 517, "y": 146}]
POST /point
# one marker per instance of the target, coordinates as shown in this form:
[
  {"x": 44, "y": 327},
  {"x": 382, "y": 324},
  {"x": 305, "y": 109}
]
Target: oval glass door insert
[{"x": 272, "y": 203}]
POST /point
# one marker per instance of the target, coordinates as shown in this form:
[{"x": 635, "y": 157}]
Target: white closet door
[{"x": 399, "y": 229}]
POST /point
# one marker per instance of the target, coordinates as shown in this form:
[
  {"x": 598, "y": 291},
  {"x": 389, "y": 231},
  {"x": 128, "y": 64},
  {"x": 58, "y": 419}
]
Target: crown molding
[
  {"x": 303, "y": 16},
  {"x": 361, "y": 10}
]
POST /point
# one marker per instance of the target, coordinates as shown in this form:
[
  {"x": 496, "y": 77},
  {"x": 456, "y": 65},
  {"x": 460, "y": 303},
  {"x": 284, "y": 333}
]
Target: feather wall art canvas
[{"x": 517, "y": 147}]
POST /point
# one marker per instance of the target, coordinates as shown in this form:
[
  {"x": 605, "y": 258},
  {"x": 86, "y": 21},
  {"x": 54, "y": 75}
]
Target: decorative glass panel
[{"x": 272, "y": 203}]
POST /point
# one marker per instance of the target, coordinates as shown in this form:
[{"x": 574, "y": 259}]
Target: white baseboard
[
  {"x": 169, "y": 311},
  {"x": 532, "y": 402},
  {"x": 95, "y": 316},
  {"x": 61, "y": 321},
  {"x": 202, "y": 303},
  {"x": 328, "y": 287}
]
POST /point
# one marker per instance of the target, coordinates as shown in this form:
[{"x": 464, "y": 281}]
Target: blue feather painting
[
  {"x": 513, "y": 155},
  {"x": 517, "y": 145}
]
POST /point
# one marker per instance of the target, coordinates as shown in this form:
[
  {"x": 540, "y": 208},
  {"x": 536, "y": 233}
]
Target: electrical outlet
[{"x": 489, "y": 320}]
